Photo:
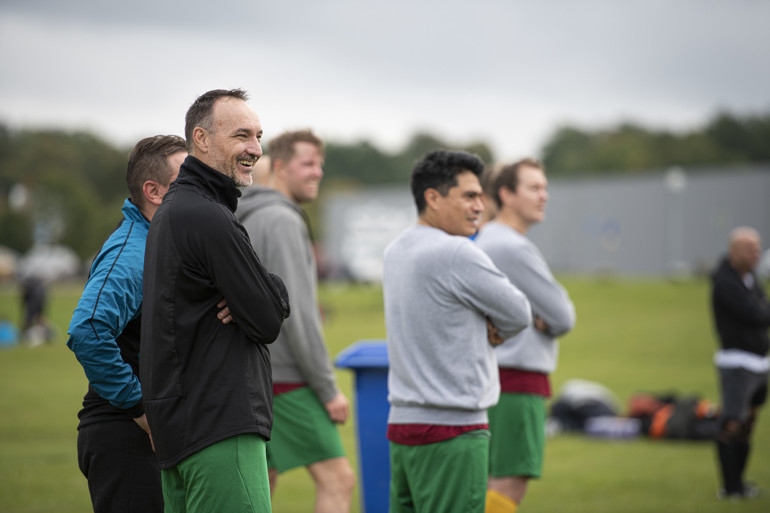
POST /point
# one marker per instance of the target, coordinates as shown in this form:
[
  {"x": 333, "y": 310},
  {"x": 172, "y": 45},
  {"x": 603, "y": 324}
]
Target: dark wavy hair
[{"x": 438, "y": 170}]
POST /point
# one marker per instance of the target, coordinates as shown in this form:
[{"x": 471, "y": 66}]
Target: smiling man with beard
[{"x": 207, "y": 386}]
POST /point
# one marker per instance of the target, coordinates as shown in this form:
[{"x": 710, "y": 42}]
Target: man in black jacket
[
  {"x": 207, "y": 386},
  {"x": 742, "y": 318}
]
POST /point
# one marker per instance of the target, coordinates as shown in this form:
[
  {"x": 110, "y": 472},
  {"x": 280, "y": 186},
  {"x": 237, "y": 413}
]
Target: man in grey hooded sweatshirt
[{"x": 307, "y": 402}]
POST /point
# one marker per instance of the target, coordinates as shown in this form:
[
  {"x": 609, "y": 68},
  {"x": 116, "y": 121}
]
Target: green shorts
[
  {"x": 517, "y": 424},
  {"x": 230, "y": 475},
  {"x": 302, "y": 432},
  {"x": 448, "y": 476}
]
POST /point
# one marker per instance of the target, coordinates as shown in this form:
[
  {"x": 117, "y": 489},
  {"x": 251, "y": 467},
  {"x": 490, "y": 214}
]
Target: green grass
[{"x": 630, "y": 336}]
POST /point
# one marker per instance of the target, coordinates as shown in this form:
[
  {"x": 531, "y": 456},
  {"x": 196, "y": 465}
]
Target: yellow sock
[{"x": 499, "y": 503}]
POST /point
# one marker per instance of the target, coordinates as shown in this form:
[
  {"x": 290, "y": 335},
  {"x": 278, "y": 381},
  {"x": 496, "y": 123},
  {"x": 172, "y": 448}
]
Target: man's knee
[
  {"x": 734, "y": 430},
  {"x": 513, "y": 487},
  {"x": 746, "y": 428},
  {"x": 729, "y": 429},
  {"x": 334, "y": 475}
]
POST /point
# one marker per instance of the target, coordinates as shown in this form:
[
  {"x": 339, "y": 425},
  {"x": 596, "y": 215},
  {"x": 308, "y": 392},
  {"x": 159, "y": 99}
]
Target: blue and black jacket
[{"x": 105, "y": 327}]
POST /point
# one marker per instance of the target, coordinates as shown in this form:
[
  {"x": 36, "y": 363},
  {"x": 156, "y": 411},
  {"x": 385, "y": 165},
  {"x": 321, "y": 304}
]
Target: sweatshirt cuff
[{"x": 326, "y": 393}]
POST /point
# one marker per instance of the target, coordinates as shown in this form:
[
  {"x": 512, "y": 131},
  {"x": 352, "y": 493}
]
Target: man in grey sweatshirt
[
  {"x": 445, "y": 303},
  {"x": 307, "y": 402},
  {"x": 517, "y": 422}
]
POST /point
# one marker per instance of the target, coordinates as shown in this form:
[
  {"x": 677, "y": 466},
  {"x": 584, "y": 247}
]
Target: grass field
[{"x": 630, "y": 336}]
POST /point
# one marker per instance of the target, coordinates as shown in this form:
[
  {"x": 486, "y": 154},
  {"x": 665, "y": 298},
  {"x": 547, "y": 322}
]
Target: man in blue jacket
[{"x": 114, "y": 449}]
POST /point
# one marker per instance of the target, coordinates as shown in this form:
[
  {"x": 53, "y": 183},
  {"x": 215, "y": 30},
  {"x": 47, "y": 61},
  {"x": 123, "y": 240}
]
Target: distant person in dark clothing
[
  {"x": 35, "y": 328},
  {"x": 742, "y": 318}
]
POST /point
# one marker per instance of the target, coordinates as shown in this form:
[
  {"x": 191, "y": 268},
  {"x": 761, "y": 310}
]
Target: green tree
[
  {"x": 73, "y": 179},
  {"x": 365, "y": 164},
  {"x": 744, "y": 139},
  {"x": 15, "y": 231},
  {"x": 360, "y": 162},
  {"x": 628, "y": 147}
]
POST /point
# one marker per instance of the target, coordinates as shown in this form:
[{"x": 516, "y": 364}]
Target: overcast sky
[{"x": 506, "y": 72}]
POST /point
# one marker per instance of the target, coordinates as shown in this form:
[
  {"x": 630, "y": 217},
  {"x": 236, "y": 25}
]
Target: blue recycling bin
[
  {"x": 369, "y": 360},
  {"x": 9, "y": 335}
]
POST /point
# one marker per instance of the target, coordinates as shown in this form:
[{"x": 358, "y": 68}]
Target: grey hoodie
[{"x": 276, "y": 226}]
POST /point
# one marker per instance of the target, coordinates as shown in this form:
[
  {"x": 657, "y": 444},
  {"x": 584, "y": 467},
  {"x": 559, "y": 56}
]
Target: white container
[{"x": 613, "y": 427}]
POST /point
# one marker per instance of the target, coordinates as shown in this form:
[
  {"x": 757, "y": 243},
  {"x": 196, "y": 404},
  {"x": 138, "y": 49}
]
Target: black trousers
[
  {"x": 122, "y": 470},
  {"x": 742, "y": 390}
]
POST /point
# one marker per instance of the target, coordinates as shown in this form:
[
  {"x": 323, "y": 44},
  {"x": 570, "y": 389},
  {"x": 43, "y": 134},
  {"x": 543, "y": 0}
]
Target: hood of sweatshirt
[{"x": 256, "y": 197}]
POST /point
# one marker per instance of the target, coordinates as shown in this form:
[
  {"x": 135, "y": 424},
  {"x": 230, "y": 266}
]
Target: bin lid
[{"x": 364, "y": 354}]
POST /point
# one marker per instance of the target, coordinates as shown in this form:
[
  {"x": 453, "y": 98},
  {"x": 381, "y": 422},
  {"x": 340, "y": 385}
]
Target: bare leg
[
  {"x": 513, "y": 487},
  {"x": 272, "y": 475},
  {"x": 334, "y": 482}
]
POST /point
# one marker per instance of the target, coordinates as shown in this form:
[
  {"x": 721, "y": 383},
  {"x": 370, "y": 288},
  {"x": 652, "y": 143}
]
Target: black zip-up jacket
[
  {"x": 204, "y": 381},
  {"x": 741, "y": 314}
]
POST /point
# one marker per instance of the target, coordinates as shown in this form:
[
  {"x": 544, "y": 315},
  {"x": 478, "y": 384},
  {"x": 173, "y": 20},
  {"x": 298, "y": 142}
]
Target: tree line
[
  {"x": 627, "y": 148},
  {"x": 67, "y": 187}
]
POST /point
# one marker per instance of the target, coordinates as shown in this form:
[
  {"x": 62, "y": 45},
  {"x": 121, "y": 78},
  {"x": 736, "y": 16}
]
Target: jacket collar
[
  {"x": 221, "y": 187},
  {"x": 132, "y": 213}
]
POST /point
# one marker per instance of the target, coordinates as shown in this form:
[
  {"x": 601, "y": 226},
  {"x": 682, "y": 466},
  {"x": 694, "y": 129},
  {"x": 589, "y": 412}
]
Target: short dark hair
[
  {"x": 508, "y": 176},
  {"x": 282, "y": 147},
  {"x": 438, "y": 170},
  {"x": 147, "y": 161},
  {"x": 199, "y": 113}
]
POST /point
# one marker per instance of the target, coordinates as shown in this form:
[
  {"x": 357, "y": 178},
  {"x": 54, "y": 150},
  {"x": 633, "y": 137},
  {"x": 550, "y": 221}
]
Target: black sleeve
[{"x": 258, "y": 301}]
